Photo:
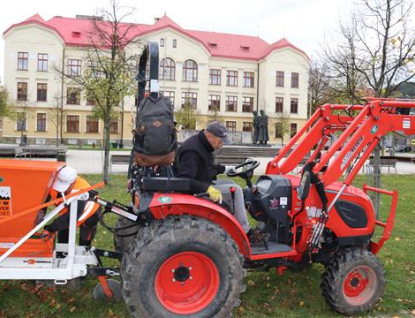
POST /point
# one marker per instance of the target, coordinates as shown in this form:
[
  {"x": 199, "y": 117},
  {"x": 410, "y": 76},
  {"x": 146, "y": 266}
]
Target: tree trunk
[{"x": 106, "y": 145}]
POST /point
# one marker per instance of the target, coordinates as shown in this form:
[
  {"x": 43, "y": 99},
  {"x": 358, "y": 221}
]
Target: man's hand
[
  {"x": 214, "y": 194},
  {"x": 46, "y": 234}
]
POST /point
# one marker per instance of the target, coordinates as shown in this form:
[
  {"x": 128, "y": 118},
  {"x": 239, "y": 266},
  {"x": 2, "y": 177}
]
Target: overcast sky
[{"x": 303, "y": 22}]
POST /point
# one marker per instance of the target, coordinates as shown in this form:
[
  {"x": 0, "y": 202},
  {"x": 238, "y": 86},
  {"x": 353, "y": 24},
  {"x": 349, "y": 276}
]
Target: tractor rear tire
[
  {"x": 353, "y": 282},
  {"x": 182, "y": 266},
  {"x": 121, "y": 242}
]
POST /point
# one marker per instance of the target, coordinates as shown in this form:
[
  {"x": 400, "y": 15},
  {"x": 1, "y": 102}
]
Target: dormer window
[
  {"x": 76, "y": 34},
  {"x": 244, "y": 47},
  {"x": 212, "y": 44}
]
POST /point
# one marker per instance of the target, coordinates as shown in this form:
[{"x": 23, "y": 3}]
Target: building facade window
[
  {"x": 278, "y": 130},
  {"x": 162, "y": 42},
  {"x": 189, "y": 99},
  {"x": 170, "y": 95},
  {"x": 231, "y": 126},
  {"x": 190, "y": 71},
  {"x": 41, "y": 121},
  {"x": 42, "y": 62},
  {"x": 294, "y": 106},
  {"x": 91, "y": 124},
  {"x": 42, "y": 92},
  {"x": 114, "y": 126},
  {"x": 279, "y": 104},
  {"x": 22, "y": 61},
  {"x": 174, "y": 43},
  {"x": 247, "y": 126},
  {"x": 73, "y": 96},
  {"x": 21, "y": 122},
  {"x": 22, "y": 91},
  {"x": 74, "y": 67},
  {"x": 214, "y": 103},
  {"x": 231, "y": 103},
  {"x": 232, "y": 78},
  {"x": 293, "y": 129},
  {"x": 280, "y": 79},
  {"x": 294, "y": 80},
  {"x": 248, "y": 79},
  {"x": 72, "y": 123},
  {"x": 167, "y": 69},
  {"x": 247, "y": 104},
  {"x": 214, "y": 77}
]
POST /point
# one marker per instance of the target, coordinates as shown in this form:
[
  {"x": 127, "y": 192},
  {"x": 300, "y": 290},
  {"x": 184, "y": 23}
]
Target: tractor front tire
[
  {"x": 182, "y": 266},
  {"x": 123, "y": 237},
  {"x": 353, "y": 282}
]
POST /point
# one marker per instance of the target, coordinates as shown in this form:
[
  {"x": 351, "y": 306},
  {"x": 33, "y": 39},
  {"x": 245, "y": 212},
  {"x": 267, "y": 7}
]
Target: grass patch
[{"x": 267, "y": 295}]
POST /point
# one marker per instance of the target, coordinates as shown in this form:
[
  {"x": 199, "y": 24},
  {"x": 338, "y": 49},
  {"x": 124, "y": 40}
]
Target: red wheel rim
[
  {"x": 360, "y": 285},
  {"x": 187, "y": 282}
]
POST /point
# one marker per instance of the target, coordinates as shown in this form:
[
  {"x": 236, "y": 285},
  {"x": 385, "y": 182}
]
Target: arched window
[
  {"x": 190, "y": 71},
  {"x": 167, "y": 69}
]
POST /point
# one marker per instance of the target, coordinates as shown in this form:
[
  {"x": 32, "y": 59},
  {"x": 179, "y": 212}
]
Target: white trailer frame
[{"x": 60, "y": 270}]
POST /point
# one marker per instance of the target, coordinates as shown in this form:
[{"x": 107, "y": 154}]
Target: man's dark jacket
[{"x": 195, "y": 157}]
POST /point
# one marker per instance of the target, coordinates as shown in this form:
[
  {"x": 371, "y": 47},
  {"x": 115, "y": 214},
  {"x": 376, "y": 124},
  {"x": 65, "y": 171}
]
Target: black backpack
[{"x": 155, "y": 139}]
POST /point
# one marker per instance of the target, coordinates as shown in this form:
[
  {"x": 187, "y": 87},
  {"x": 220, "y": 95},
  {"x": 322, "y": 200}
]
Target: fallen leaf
[
  {"x": 72, "y": 309},
  {"x": 251, "y": 283},
  {"x": 301, "y": 303}
]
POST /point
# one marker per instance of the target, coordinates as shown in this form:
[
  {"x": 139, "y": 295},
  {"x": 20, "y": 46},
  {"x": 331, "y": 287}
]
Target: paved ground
[{"x": 91, "y": 161}]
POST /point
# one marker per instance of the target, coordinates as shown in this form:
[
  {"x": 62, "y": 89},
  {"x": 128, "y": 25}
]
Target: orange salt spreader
[{"x": 24, "y": 253}]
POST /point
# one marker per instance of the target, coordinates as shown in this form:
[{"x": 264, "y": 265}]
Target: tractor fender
[{"x": 165, "y": 204}]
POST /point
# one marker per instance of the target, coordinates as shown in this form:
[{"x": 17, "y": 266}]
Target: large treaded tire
[
  {"x": 169, "y": 242},
  {"x": 353, "y": 282},
  {"x": 121, "y": 242}
]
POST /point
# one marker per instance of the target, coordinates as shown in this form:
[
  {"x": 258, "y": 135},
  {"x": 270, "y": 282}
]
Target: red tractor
[{"x": 190, "y": 255}]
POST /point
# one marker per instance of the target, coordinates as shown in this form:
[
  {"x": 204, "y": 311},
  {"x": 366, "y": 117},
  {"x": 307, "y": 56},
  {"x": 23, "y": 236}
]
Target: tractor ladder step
[{"x": 272, "y": 248}]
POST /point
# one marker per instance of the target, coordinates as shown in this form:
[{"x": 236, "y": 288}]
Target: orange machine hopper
[{"x": 23, "y": 185}]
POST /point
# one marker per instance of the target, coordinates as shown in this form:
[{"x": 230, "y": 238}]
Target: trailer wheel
[
  {"x": 353, "y": 282},
  {"x": 120, "y": 241},
  {"x": 182, "y": 267}
]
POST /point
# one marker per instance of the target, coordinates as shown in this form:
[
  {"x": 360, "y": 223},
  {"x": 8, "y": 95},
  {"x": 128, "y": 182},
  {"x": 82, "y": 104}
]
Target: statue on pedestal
[
  {"x": 255, "y": 127},
  {"x": 263, "y": 135}
]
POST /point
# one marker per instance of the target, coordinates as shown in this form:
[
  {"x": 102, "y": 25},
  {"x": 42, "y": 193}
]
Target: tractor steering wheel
[{"x": 248, "y": 166}]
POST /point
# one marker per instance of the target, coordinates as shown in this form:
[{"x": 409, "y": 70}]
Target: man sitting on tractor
[
  {"x": 195, "y": 157},
  {"x": 67, "y": 181}
]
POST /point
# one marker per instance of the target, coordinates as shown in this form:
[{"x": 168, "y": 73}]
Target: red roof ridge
[
  {"x": 218, "y": 44},
  {"x": 36, "y": 17},
  {"x": 280, "y": 44},
  {"x": 165, "y": 21}
]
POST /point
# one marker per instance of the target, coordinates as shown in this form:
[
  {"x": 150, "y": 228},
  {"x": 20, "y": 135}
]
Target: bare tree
[
  {"x": 386, "y": 45},
  {"x": 375, "y": 50},
  {"x": 282, "y": 125},
  {"x": 21, "y": 113},
  {"x": 4, "y": 105},
  {"x": 111, "y": 65},
  {"x": 319, "y": 91},
  {"x": 187, "y": 115},
  {"x": 57, "y": 118},
  {"x": 346, "y": 84}
]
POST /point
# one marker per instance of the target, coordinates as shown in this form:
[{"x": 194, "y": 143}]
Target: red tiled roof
[{"x": 76, "y": 32}]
